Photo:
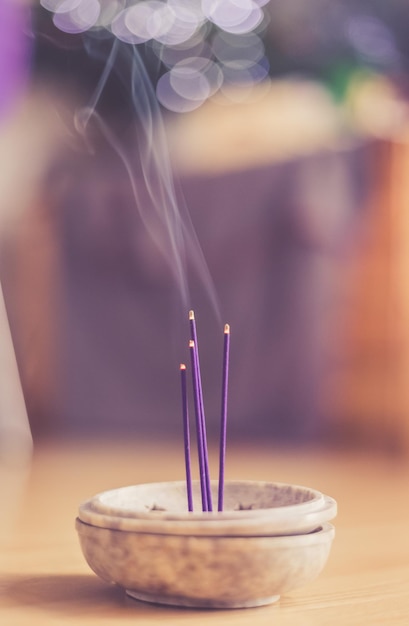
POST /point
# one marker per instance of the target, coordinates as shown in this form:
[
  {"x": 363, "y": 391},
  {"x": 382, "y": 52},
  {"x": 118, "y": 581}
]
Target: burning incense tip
[
  {"x": 226, "y": 328},
  {"x": 191, "y": 315},
  {"x": 182, "y": 366},
  {"x": 191, "y": 344}
]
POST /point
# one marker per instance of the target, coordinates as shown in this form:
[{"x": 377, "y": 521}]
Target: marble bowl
[
  {"x": 205, "y": 571},
  {"x": 240, "y": 557}
]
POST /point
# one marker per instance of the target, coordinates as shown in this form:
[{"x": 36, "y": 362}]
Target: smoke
[
  {"x": 162, "y": 211},
  {"x": 201, "y": 46}
]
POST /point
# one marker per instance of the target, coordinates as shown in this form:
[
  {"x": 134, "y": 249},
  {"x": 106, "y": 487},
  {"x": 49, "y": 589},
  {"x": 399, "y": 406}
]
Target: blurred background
[{"x": 253, "y": 168}]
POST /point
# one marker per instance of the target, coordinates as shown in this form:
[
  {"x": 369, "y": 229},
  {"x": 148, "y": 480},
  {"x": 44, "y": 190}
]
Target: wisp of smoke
[{"x": 165, "y": 217}]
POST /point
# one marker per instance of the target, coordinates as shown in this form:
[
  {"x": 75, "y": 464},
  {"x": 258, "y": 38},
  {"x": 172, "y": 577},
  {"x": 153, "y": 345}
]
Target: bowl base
[{"x": 199, "y": 603}]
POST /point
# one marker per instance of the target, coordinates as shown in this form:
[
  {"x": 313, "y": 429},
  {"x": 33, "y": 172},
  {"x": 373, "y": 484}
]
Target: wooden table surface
[{"x": 45, "y": 580}]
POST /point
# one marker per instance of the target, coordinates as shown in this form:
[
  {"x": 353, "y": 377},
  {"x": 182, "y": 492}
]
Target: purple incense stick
[
  {"x": 186, "y": 436},
  {"x": 193, "y": 333},
  {"x": 223, "y": 421},
  {"x": 199, "y": 428}
]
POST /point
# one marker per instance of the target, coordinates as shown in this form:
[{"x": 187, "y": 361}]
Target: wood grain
[{"x": 45, "y": 580}]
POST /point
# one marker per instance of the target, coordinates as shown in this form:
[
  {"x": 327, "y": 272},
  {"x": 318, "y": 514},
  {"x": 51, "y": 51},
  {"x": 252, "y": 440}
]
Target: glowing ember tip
[
  {"x": 226, "y": 328},
  {"x": 182, "y": 366},
  {"x": 191, "y": 344},
  {"x": 191, "y": 315}
]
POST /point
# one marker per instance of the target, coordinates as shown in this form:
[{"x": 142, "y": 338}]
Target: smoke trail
[{"x": 167, "y": 220}]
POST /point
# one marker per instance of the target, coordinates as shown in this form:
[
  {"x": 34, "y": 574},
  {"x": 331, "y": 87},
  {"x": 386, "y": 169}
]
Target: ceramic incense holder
[{"x": 270, "y": 538}]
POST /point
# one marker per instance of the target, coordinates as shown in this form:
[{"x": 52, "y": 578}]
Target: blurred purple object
[
  {"x": 273, "y": 241},
  {"x": 14, "y": 51}
]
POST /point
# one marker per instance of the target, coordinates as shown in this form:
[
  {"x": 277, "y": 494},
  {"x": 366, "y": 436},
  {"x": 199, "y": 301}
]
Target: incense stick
[
  {"x": 223, "y": 420},
  {"x": 186, "y": 437},
  {"x": 199, "y": 425},
  {"x": 193, "y": 332}
]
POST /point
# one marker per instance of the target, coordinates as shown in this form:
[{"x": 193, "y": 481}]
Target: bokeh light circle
[
  {"x": 60, "y": 6},
  {"x": 80, "y": 19},
  {"x": 236, "y": 16},
  {"x": 248, "y": 46},
  {"x": 189, "y": 83},
  {"x": 173, "y": 101},
  {"x": 170, "y": 55},
  {"x": 205, "y": 45}
]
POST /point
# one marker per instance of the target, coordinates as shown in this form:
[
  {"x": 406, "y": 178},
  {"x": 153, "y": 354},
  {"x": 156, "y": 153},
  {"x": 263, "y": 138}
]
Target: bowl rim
[
  {"x": 244, "y": 527},
  {"x": 290, "y": 519},
  {"x": 97, "y": 504}
]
